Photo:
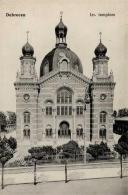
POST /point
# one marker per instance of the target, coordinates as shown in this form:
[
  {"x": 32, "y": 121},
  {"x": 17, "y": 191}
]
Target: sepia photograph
[{"x": 64, "y": 97}]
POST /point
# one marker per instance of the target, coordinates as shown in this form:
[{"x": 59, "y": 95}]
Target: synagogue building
[{"x": 62, "y": 104}]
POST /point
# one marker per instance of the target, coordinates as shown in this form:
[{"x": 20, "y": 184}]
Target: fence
[{"x": 57, "y": 172}]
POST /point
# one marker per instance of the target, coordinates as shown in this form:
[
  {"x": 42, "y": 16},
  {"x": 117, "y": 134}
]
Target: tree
[
  {"x": 94, "y": 150},
  {"x": 6, "y": 153},
  {"x": 123, "y": 112},
  {"x": 122, "y": 148},
  {"x": 37, "y": 153},
  {"x": 2, "y": 121},
  {"x": 97, "y": 150},
  {"x": 12, "y": 143},
  {"x": 71, "y": 149},
  {"x": 11, "y": 119},
  {"x": 48, "y": 150}
]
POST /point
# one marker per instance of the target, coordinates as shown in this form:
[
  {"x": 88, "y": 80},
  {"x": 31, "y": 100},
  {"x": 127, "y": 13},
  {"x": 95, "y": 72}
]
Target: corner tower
[
  {"x": 102, "y": 94},
  {"x": 26, "y": 87}
]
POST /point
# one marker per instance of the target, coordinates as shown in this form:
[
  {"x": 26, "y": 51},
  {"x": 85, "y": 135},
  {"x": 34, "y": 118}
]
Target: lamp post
[
  {"x": 34, "y": 160},
  {"x": 55, "y": 146},
  {"x": 66, "y": 180},
  {"x": 2, "y": 177},
  {"x": 84, "y": 137},
  {"x": 102, "y": 132},
  {"x": 86, "y": 102},
  {"x": 35, "y": 157}
]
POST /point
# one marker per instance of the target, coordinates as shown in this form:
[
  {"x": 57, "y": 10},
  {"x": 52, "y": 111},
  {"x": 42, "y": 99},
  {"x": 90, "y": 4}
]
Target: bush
[
  {"x": 71, "y": 149},
  {"x": 98, "y": 150}
]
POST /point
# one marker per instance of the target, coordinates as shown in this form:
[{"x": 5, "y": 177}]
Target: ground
[{"x": 104, "y": 186}]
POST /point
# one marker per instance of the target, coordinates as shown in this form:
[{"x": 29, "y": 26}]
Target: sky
[{"x": 83, "y": 36}]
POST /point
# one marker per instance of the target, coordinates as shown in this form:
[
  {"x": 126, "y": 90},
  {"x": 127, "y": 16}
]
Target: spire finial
[
  {"x": 100, "y": 33},
  {"x": 61, "y": 14},
  {"x": 27, "y": 35}
]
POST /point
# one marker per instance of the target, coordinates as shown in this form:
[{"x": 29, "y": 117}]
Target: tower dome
[
  {"x": 61, "y": 32},
  {"x": 61, "y": 29},
  {"x": 100, "y": 50},
  {"x": 27, "y": 50}
]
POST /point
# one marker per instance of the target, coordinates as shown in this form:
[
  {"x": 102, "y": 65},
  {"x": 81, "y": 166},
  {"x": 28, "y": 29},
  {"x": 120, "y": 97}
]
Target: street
[{"x": 103, "y": 186}]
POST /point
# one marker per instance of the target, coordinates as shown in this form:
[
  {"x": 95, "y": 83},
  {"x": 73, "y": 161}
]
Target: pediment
[{"x": 69, "y": 75}]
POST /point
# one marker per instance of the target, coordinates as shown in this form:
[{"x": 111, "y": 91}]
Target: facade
[{"x": 63, "y": 104}]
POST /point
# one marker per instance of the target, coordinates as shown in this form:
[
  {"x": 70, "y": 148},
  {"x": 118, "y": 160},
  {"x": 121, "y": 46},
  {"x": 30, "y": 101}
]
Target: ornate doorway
[{"x": 64, "y": 131}]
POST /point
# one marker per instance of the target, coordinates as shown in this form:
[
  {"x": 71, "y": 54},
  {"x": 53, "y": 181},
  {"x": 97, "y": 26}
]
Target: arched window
[
  {"x": 64, "y": 102},
  {"x": 49, "y": 104},
  {"x": 102, "y": 132},
  {"x": 64, "y": 96},
  {"x": 103, "y": 117},
  {"x": 49, "y": 110},
  {"x": 79, "y": 107},
  {"x": 46, "y": 67},
  {"x": 64, "y": 65},
  {"x": 48, "y": 131},
  {"x": 79, "y": 131},
  {"x": 26, "y": 117},
  {"x": 79, "y": 110},
  {"x": 26, "y": 132}
]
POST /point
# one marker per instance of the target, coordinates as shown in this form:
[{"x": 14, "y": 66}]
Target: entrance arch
[{"x": 64, "y": 130}]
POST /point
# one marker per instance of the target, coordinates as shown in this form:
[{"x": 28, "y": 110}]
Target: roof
[
  {"x": 54, "y": 56},
  {"x": 125, "y": 118}
]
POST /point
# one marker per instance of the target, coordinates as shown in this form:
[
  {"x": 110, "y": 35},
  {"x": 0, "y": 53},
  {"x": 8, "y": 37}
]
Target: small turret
[{"x": 61, "y": 32}]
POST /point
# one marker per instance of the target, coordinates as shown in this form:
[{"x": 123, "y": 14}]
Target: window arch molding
[
  {"x": 48, "y": 101},
  {"x": 80, "y": 101},
  {"x": 27, "y": 110},
  {"x": 65, "y": 88}
]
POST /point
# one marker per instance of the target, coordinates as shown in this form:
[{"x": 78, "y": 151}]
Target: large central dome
[
  {"x": 51, "y": 60},
  {"x": 61, "y": 51}
]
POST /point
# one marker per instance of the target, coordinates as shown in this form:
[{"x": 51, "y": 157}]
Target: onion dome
[
  {"x": 100, "y": 50},
  {"x": 27, "y": 50},
  {"x": 51, "y": 60},
  {"x": 61, "y": 29},
  {"x": 61, "y": 32}
]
